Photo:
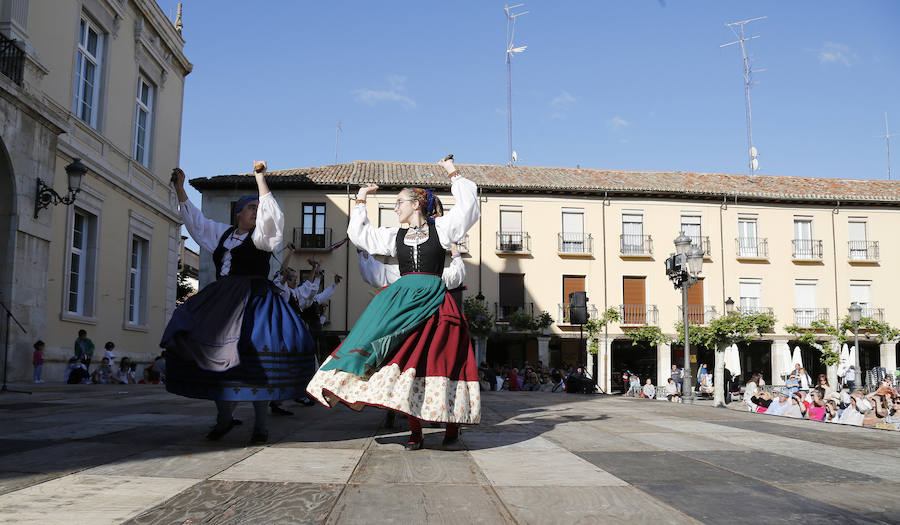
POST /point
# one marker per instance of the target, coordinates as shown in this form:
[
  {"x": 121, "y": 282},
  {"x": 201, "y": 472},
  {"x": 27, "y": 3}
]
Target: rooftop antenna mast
[
  {"x": 337, "y": 137},
  {"x": 887, "y": 141},
  {"x": 738, "y": 29},
  {"x": 510, "y": 49}
]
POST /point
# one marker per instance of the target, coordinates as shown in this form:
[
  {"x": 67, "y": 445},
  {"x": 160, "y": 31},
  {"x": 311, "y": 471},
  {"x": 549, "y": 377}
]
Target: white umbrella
[
  {"x": 844, "y": 362},
  {"x": 796, "y": 358},
  {"x": 784, "y": 365},
  {"x": 733, "y": 360},
  {"x": 852, "y": 359}
]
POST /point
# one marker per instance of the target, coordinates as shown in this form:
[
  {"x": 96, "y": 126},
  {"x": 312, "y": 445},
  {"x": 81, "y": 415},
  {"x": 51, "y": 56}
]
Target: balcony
[
  {"x": 502, "y": 312},
  {"x": 756, "y": 310},
  {"x": 569, "y": 243},
  {"x": 312, "y": 240},
  {"x": 807, "y": 250},
  {"x": 638, "y": 314},
  {"x": 12, "y": 59},
  {"x": 876, "y": 314},
  {"x": 752, "y": 248},
  {"x": 563, "y": 313},
  {"x": 635, "y": 246},
  {"x": 804, "y": 317},
  {"x": 702, "y": 241},
  {"x": 698, "y": 313},
  {"x": 863, "y": 251},
  {"x": 513, "y": 243}
]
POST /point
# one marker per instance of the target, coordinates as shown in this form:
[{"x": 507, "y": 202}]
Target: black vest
[
  {"x": 246, "y": 259},
  {"x": 431, "y": 254}
]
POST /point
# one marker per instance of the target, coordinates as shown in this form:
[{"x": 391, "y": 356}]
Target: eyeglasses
[{"x": 397, "y": 204}]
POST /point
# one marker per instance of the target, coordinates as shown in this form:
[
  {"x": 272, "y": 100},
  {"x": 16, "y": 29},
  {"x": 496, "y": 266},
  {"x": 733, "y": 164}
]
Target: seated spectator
[
  {"x": 817, "y": 407},
  {"x": 103, "y": 375},
  {"x": 792, "y": 384},
  {"x": 125, "y": 375},
  {"x": 76, "y": 372},
  {"x": 159, "y": 366},
  {"x": 761, "y": 401},
  {"x": 151, "y": 377},
  {"x": 532, "y": 382},
  {"x": 482, "y": 381},
  {"x": 706, "y": 385},
  {"x": 822, "y": 382},
  {"x": 109, "y": 351},
  {"x": 750, "y": 390},
  {"x": 880, "y": 409},
  {"x": 780, "y": 404},
  {"x": 854, "y": 414},
  {"x": 892, "y": 419},
  {"x": 832, "y": 412},
  {"x": 795, "y": 409},
  {"x": 513, "y": 380},
  {"x": 649, "y": 391},
  {"x": 672, "y": 391},
  {"x": 634, "y": 386}
]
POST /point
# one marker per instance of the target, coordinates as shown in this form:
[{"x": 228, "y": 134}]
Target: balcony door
[
  {"x": 572, "y": 231},
  {"x": 511, "y": 230},
  {"x": 750, "y": 290},
  {"x": 805, "y": 301},
  {"x": 695, "y": 303},
  {"x": 858, "y": 246},
  {"x": 571, "y": 284},
  {"x": 512, "y": 294},
  {"x": 803, "y": 244},
  {"x": 313, "y": 224},
  {"x": 632, "y": 234},
  {"x": 748, "y": 244},
  {"x": 634, "y": 294}
]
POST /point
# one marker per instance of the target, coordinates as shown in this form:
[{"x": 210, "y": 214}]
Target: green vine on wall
[
  {"x": 838, "y": 335},
  {"x": 647, "y": 334},
  {"x": 594, "y": 326}
]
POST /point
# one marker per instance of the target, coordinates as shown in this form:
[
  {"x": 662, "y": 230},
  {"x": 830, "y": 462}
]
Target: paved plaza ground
[{"x": 87, "y": 454}]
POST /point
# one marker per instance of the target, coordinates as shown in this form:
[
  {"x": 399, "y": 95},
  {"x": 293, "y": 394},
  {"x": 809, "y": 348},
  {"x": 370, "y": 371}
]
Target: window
[
  {"x": 803, "y": 244},
  {"x": 82, "y": 263},
  {"x": 87, "y": 72},
  {"x": 512, "y": 294},
  {"x": 143, "y": 119},
  {"x": 634, "y": 296},
  {"x": 859, "y": 293},
  {"x": 690, "y": 225},
  {"x": 571, "y": 284},
  {"x": 748, "y": 243},
  {"x": 572, "y": 231},
  {"x": 387, "y": 217},
  {"x": 137, "y": 281},
  {"x": 511, "y": 238},
  {"x": 858, "y": 245},
  {"x": 805, "y": 301},
  {"x": 750, "y": 292},
  {"x": 632, "y": 233},
  {"x": 313, "y": 224}
]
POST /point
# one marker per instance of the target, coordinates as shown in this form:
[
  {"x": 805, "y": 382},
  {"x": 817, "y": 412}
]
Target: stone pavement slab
[
  {"x": 662, "y": 467},
  {"x": 679, "y": 441},
  {"x": 66, "y": 457},
  {"x": 877, "y": 501},
  {"x": 243, "y": 503},
  {"x": 94, "y": 500},
  {"x": 308, "y": 465},
  {"x": 419, "y": 504},
  {"x": 607, "y": 505},
  {"x": 548, "y": 468},
  {"x": 175, "y": 462},
  {"x": 770, "y": 467},
  {"x": 380, "y": 467}
]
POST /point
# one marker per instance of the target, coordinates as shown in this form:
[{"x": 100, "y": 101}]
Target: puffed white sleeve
[
  {"x": 305, "y": 292},
  {"x": 283, "y": 290},
  {"x": 464, "y": 214},
  {"x": 269, "y": 229},
  {"x": 376, "y": 273},
  {"x": 367, "y": 237},
  {"x": 206, "y": 232},
  {"x": 455, "y": 274}
]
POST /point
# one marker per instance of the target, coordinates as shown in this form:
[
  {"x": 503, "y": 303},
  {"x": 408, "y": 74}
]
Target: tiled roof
[{"x": 550, "y": 179}]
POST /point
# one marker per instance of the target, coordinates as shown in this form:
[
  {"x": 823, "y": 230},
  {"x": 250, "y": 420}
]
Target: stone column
[
  {"x": 480, "y": 348},
  {"x": 663, "y": 364},
  {"x": 543, "y": 349},
  {"x": 781, "y": 353},
  {"x": 604, "y": 356},
  {"x": 889, "y": 355}
]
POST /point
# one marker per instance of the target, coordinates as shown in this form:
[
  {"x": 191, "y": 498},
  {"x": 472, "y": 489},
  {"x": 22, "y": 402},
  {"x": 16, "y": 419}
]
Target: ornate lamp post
[
  {"x": 683, "y": 268},
  {"x": 46, "y": 195}
]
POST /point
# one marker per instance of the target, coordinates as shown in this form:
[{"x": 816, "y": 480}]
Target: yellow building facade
[{"x": 101, "y": 81}]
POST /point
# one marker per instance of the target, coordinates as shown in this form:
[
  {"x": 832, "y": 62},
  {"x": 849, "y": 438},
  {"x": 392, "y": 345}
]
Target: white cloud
[
  {"x": 834, "y": 53},
  {"x": 618, "y": 122},
  {"x": 564, "y": 100},
  {"x": 396, "y": 92}
]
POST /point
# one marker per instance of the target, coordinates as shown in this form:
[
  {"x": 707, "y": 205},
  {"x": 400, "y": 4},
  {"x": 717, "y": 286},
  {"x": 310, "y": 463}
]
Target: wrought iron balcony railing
[
  {"x": 702, "y": 241},
  {"x": 630, "y": 244},
  {"x": 638, "y": 314},
  {"x": 563, "y": 311},
  {"x": 876, "y": 314},
  {"x": 756, "y": 310},
  {"x": 698, "y": 313},
  {"x": 312, "y": 239},
  {"x": 752, "y": 247},
  {"x": 575, "y": 243},
  {"x": 513, "y": 242},
  {"x": 807, "y": 250},
  {"x": 804, "y": 317},
  {"x": 12, "y": 59},
  {"x": 502, "y": 312},
  {"x": 863, "y": 250}
]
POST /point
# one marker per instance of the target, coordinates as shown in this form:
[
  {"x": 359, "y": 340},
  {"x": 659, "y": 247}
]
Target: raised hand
[
  {"x": 447, "y": 164},
  {"x": 366, "y": 190},
  {"x": 259, "y": 166}
]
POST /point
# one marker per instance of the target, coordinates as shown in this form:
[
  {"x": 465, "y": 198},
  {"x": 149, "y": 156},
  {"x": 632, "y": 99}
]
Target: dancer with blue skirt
[{"x": 238, "y": 339}]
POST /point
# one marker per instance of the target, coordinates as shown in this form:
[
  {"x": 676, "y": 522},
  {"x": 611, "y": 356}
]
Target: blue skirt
[{"x": 238, "y": 340}]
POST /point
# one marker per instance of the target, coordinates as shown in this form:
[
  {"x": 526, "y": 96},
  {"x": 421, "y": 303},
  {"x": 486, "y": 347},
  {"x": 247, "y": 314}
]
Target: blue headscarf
[
  {"x": 429, "y": 205},
  {"x": 243, "y": 201}
]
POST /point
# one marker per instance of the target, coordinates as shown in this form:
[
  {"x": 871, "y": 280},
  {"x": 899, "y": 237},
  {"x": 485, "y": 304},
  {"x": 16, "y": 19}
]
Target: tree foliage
[
  {"x": 593, "y": 327},
  {"x": 649, "y": 334},
  {"x": 828, "y": 338},
  {"x": 184, "y": 288},
  {"x": 480, "y": 319},
  {"x": 727, "y": 330}
]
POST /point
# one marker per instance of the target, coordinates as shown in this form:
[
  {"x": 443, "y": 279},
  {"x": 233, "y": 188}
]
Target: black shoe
[
  {"x": 278, "y": 411},
  {"x": 259, "y": 438},
  {"x": 415, "y": 445},
  {"x": 305, "y": 401},
  {"x": 217, "y": 432}
]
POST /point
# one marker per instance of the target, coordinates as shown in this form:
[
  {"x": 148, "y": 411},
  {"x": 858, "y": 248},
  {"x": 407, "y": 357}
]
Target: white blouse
[
  {"x": 267, "y": 235},
  {"x": 450, "y": 227},
  {"x": 379, "y": 275},
  {"x": 303, "y": 293}
]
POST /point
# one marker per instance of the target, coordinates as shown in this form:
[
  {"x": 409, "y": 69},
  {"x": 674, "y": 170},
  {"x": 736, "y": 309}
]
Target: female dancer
[
  {"x": 237, "y": 339},
  {"x": 410, "y": 350}
]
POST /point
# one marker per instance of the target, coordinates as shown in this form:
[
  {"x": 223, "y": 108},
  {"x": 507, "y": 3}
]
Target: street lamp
[
  {"x": 47, "y": 195},
  {"x": 855, "y": 316},
  {"x": 729, "y": 306},
  {"x": 683, "y": 268}
]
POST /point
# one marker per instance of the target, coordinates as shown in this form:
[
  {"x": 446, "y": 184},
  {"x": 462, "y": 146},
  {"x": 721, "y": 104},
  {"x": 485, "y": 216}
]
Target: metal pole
[
  {"x": 686, "y": 387},
  {"x": 859, "y": 375}
]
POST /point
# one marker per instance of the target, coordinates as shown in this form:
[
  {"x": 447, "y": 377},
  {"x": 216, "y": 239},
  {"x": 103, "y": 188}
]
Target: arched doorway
[{"x": 8, "y": 225}]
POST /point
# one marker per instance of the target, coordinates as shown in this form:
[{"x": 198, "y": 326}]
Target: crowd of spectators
[
  {"x": 534, "y": 377},
  {"x": 110, "y": 370}
]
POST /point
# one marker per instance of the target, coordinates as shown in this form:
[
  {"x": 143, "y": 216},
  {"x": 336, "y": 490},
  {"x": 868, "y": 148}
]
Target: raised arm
[
  {"x": 465, "y": 212},
  {"x": 206, "y": 232},
  {"x": 455, "y": 274},
  {"x": 269, "y": 230},
  {"x": 363, "y": 234},
  {"x": 376, "y": 273}
]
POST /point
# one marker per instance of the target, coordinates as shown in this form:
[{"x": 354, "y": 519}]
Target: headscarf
[{"x": 243, "y": 201}]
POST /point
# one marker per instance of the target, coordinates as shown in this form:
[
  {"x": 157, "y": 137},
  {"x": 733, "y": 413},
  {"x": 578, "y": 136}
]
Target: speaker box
[{"x": 578, "y": 308}]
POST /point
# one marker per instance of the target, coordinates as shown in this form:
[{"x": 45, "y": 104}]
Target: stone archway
[{"x": 8, "y": 227}]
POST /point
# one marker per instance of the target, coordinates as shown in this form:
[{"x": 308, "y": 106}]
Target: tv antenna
[
  {"x": 510, "y": 49},
  {"x": 337, "y": 137},
  {"x": 887, "y": 142},
  {"x": 738, "y": 29}
]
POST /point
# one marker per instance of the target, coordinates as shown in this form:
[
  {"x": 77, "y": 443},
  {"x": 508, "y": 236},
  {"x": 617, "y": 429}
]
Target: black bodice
[
  {"x": 430, "y": 254},
  {"x": 246, "y": 258}
]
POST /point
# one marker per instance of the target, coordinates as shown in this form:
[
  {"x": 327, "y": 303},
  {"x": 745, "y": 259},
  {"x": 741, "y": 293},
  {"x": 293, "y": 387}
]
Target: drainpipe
[
  {"x": 607, "y": 382},
  {"x": 837, "y": 317},
  {"x": 722, "y": 208},
  {"x": 347, "y": 265}
]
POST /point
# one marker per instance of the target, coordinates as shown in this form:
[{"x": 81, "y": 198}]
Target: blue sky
[{"x": 637, "y": 85}]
